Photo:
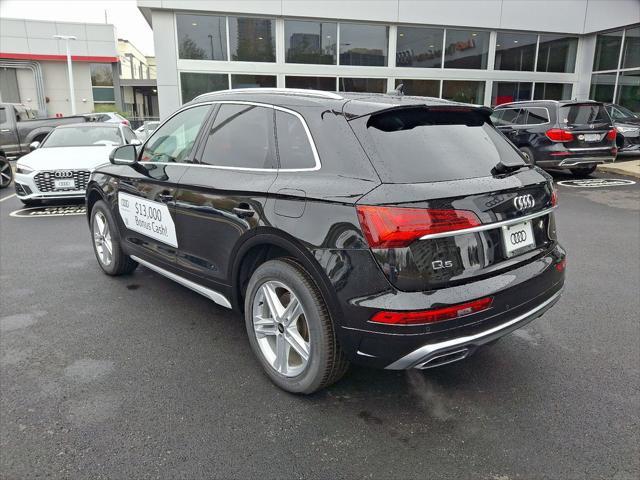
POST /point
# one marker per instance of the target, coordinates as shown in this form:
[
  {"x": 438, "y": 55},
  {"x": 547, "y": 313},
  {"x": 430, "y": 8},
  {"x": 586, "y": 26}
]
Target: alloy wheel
[
  {"x": 281, "y": 328},
  {"x": 6, "y": 174},
  {"x": 102, "y": 238}
]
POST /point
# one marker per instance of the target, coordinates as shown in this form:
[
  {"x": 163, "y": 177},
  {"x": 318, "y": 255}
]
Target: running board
[{"x": 207, "y": 292}]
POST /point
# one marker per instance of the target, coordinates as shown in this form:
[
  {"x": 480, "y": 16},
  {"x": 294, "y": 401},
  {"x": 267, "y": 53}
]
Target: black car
[
  {"x": 627, "y": 124},
  {"x": 559, "y": 134},
  {"x": 394, "y": 232}
]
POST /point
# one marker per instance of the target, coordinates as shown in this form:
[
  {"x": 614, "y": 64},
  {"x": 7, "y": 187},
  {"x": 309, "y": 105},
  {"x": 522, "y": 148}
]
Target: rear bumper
[
  {"x": 448, "y": 351},
  {"x": 519, "y": 295}
]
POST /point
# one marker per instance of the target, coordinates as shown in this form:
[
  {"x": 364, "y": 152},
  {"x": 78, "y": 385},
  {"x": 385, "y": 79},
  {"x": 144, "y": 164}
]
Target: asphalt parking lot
[{"x": 138, "y": 377}]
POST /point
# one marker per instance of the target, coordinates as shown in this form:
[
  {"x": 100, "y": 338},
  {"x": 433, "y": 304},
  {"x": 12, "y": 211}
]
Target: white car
[
  {"x": 60, "y": 166},
  {"x": 109, "y": 117},
  {"x": 143, "y": 132}
]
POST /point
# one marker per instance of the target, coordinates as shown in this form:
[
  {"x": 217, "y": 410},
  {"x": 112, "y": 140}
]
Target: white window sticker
[{"x": 149, "y": 218}]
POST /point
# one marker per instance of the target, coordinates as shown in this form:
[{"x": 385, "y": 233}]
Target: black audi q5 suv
[{"x": 390, "y": 231}]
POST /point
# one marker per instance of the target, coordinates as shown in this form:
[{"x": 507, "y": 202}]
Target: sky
[{"x": 124, "y": 14}]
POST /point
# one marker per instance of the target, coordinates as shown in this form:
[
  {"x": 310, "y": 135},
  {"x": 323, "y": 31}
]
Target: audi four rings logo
[
  {"x": 63, "y": 174},
  {"x": 523, "y": 202},
  {"x": 518, "y": 237}
]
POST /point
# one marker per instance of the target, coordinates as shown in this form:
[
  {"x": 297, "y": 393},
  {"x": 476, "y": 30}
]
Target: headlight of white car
[
  {"x": 623, "y": 130},
  {"x": 23, "y": 169}
]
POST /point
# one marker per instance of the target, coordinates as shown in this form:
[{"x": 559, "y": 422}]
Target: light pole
[{"x": 72, "y": 92}]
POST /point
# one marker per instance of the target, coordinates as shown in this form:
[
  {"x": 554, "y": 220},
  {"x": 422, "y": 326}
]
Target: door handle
[
  {"x": 244, "y": 211},
  {"x": 5, "y": 130},
  {"x": 165, "y": 197}
]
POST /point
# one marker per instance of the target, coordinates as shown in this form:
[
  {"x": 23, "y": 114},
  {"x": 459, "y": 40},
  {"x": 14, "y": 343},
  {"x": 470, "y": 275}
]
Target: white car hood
[{"x": 67, "y": 158}]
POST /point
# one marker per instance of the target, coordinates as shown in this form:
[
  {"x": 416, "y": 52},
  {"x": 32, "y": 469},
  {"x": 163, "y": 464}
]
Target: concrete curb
[{"x": 630, "y": 168}]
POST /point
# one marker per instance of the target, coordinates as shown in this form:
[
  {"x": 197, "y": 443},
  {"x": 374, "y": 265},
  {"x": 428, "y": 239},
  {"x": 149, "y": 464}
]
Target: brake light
[
  {"x": 554, "y": 197},
  {"x": 561, "y": 265},
  {"x": 559, "y": 135},
  {"x": 611, "y": 134},
  {"x": 125, "y": 122},
  {"x": 393, "y": 227},
  {"x": 431, "y": 316}
]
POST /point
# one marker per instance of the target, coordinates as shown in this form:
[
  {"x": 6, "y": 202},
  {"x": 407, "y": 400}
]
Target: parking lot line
[{"x": 7, "y": 197}]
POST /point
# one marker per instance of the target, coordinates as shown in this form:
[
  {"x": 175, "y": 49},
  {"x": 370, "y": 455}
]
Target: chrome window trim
[
  {"x": 517, "y": 125},
  {"x": 312, "y": 143},
  {"x": 489, "y": 226}
]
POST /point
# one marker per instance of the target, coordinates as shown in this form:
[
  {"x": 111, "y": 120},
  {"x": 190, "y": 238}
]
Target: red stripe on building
[{"x": 58, "y": 58}]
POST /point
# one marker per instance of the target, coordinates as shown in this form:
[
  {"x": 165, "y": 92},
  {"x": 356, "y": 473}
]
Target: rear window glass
[
  {"x": 506, "y": 116},
  {"x": 414, "y": 145},
  {"x": 583, "y": 114}
]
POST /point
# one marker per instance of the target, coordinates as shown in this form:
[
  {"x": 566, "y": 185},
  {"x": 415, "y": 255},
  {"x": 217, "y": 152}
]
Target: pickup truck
[{"x": 19, "y": 127}]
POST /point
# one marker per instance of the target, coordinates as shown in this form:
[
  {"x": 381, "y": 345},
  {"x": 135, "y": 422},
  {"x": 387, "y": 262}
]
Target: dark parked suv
[
  {"x": 564, "y": 134},
  {"x": 390, "y": 231}
]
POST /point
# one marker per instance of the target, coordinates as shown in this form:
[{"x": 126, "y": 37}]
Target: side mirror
[
  {"x": 34, "y": 145},
  {"x": 124, "y": 155},
  {"x": 135, "y": 141}
]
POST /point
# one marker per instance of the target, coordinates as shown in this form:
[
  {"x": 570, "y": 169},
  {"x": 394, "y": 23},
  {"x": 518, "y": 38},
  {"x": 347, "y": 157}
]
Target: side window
[
  {"x": 242, "y": 136},
  {"x": 174, "y": 140},
  {"x": 537, "y": 116},
  {"x": 509, "y": 116},
  {"x": 496, "y": 117},
  {"x": 128, "y": 134},
  {"x": 521, "y": 119},
  {"x": 616, "y": 114},
  {"x": 294, "y": 147}
]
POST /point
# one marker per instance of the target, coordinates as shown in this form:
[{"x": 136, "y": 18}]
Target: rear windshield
[
  {"x": 413, "y": 145},
  {"x": 583, "y": 114}
]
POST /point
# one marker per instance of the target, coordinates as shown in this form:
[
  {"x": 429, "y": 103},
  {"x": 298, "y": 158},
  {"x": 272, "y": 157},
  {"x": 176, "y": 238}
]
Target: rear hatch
[
  {"x": 589, "y": 128},
  {"x": 457, "y": 202}
]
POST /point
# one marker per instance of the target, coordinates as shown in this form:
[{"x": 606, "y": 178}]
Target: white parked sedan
[{"x": 60, "y": 166}]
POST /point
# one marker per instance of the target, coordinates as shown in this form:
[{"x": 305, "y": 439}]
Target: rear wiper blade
[{"x": 504, "y": 168}]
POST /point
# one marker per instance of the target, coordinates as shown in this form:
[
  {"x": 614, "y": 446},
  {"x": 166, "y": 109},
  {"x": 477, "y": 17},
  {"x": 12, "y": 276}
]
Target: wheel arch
[
  {"x": 269, "y": 244},
  {"x": 93, "y": 195}
]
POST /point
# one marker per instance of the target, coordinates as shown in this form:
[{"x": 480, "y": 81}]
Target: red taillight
[
  {"x": 559, "y": 135},
  {"x": 125, "y": 122},
  {"x": 561, "y": 265},
  {"x": 431, "y": 316},
  {"x": 611, "y": 134},
  {"x": 554, "y": 197},
  {"x": 393, "y": 227}
]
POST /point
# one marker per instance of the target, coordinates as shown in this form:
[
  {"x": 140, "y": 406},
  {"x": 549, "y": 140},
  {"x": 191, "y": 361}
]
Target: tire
[
  {"x": 583, "y": 171},
  {"x": 528, "y": 153},
  {"x": 31, "y": 203},
  {"x": 6, "y": 173},
  {"x": 106, "y": 243},
  {"x": 325, "y": 363}
]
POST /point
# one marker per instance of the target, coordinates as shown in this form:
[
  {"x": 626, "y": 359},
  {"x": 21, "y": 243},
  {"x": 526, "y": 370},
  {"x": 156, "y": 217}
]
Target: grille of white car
[{"x": 45, "y": 180}]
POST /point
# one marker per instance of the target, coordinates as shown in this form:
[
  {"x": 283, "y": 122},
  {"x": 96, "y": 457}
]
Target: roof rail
[{"x": 295, "y": 91}]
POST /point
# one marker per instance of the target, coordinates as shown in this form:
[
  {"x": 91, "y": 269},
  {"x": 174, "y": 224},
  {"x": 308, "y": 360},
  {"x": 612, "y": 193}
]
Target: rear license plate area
[
  {"x": 591, "y": 137},
  {"x": 518, "y": 238}
]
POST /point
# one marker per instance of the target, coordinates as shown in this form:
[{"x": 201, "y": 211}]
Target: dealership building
[{"x": 486, "y": 52}]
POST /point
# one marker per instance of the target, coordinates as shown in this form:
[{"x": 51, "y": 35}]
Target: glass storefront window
[
  {"x": 466, "y": 49},
  {"x": 310, "y": 42},
  {"x": 515, "y": 51},
  {"x": 253, "y": 81},
  {"x": 552, "y": 91},
  {"x": 202, "y": 37},
  {"x": 602, "y": 87},
  {"x": 607, "y": 51},
  {"x": 467, "y": 91},
  {"x": 629, "y": 90},
  {"x": 631, "y": 54},
  {"x": 194, "y": 84},
  {"x": 252, "y": 39},
  {"x": 362, "y": 44},
  {"x": 421, "y": 88},
  {"x": 557, "y": 53},
  {"x": 102, "y": 94},
  {"x": 314, "y": 83},
  {"x": 101, "y": 74},
  {"x": 371, "y": 85},
  {"x": 505, "y": 92},
  {"x": 419, "y": 47}
]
